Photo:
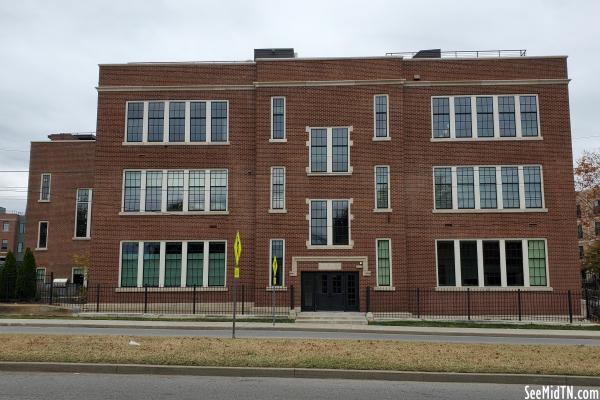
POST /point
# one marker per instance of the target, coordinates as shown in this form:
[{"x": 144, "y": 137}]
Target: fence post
[
  {"x": 291, "y": 297},
  {"x": 51, "y": 287},
  {"x": 194, "y": 300},
  {"x": 97, "y": 297},
  {"x": 469, "y": 304},
  {"x": 519, "y": 304},
  {"x": 368, "y": 299},
  {"x": 243, "y": 299},
  {"x": 587, "y": 304},
  {"x": 418, "y": 303},
  {"x": 570, "y": 306},
  {"x": 145, "y": 299}
]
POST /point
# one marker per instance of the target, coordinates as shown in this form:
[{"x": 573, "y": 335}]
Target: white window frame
[
  {"x": 474, "y": 137},
  {"x": 36, "y": 272},
  {"x": 73, "y": 275},
  {"x": 387, "y": 111},
  {"x": 37, "y": 243},
  {"x": 480, "y": 267},
  {"x": 284, "y": 139},
  {"x": 329, "y": 151},
  {"x": 389, "y": 196},
  {"x": 278, "y": 210},
  {"x": 162, "y": 265},
  {"x": 89, "y": 215},
  {"x": 383, "y": 287},
  {"x": 187, "y": 141},
  {"x": 163, "y": 210},
  {"x": 19, "y": 247},
  {"x": 41, "y": 200},
  {"x": 330, "y": 244},
  {"x": 5, "y": 226},
  {"x": 270, "y": 264},
  {"x": 4, "y": 241},
  {"x": 499, "y": 196}
]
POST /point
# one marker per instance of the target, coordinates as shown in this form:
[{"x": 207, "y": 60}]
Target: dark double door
[{"x": 330, "y": 291}]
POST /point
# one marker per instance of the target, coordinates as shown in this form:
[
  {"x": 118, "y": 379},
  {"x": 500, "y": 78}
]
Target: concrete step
[{"x": 349, "y": 318}]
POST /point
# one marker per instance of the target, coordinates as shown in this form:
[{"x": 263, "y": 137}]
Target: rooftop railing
[{"x": 460, "y": 54}]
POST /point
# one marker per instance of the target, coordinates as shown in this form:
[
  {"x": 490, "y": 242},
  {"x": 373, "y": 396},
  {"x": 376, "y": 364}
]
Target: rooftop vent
[
  {"x": 71, "y": 136},
  {"x": 432, "y": 53},
  {"x": 274, "y": 53}
]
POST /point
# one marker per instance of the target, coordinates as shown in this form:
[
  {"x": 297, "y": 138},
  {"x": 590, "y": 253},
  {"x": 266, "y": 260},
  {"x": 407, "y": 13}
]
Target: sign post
[
  {"x": 237, "y": 251},
  {"x": 274, "y": 266}
]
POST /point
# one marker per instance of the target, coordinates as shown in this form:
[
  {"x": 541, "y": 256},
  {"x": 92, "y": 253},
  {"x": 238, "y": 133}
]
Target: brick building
[
  {"x": 12, "y": 231},
  {"x": 383, "y": 172}
]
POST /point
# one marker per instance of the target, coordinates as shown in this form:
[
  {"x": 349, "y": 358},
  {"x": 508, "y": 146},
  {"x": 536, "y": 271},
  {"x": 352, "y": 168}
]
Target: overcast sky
[{"x": 50, "y": 50}]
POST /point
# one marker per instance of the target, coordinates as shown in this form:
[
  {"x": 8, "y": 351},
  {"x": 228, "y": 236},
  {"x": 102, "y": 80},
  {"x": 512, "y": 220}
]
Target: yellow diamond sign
[
  {"x": 274, "y": 271},
  {"x": 237, "y": 248}
]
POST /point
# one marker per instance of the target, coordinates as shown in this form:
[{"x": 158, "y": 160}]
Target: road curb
[
  {"x": 281, "y": 327},
  {"x": 415, "y": 376}
]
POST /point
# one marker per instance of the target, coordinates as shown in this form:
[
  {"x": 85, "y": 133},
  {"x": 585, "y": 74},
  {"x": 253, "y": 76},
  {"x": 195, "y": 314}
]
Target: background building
[{"x": 12, "y": 231}]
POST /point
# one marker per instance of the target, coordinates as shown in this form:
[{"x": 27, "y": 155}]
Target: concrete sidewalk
[{"x": 374, "y": 329}]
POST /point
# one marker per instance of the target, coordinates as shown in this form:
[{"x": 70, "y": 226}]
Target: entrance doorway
[{"x": 330, "y": 291}]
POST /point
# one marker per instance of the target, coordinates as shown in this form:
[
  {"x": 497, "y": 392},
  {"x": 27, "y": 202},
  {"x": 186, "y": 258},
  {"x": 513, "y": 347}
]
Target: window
[
  {"x": 506, "y": 115},
  {"x": 329, "y": 150},
  {"x": 277, "y": 251},
  {"x": 533, "y": 187},
  {"x": 579, "y": 232},
  {"x": 153, "y": 191},
  {"x": 441, "y": 117},
  {"x": 135, "y": 121},
  {"x": 443, "y": 188},
  {"x": 45, "y": 187},
  {"x": 198, "y": 121},
  {"x": 491, "y": 263},
  {"x": 129, "y": 264},
  {"x": 173, "y": 264},
  {"x": 466, "y": 187},
  {"x": 21, "y": 227},
  {"x": 514, "y": 262},
  {"x": 468, "y": 263},
  {"x": 578, "y": 211},
  {"x": 462, "y": 117},
  {"x": 151, "y": 266},
  {"x": 219, "y": 122},
  {"x": 537, "y": 262},
  {"x": 510, "y": 187},
  {"x": 156, "y": 121},
  {"x": 218, "y": 190},
  {"x": 278, "y": 118},
  {"x": 445, "y": 263},
  {"x": 382, "y": 190},
  {"x": 581, "y": 252},
  {"x": 5, "y": 227},
  {"x": 278, "y": 188},
  {"x": 596, "y": 206},
  {"x": 195, "y": 264},
  {"x": 487, "y": 187},
  {"x": 131, "y": 194},
  {"x": 485, "y": 116},
  {"x": 4, "y": 246},
  {"x": 83, "y": 213},
  {"x": 40, "y": 274},
  {"x": 42, "y": 243},
  {"x": 177, "y": 121},
  {"x": 329, "y": 223},
  {"x": 381, "y": 116},
  {"x": 529, "y": 124},
  {"x": 78, "y": 276},
  {"x": 384, "y": 262},
  {"x": 196, "y": 191},
  {"x": 19, "y": 247},
  {"x": 175, "y": 190},
  {"x": 597, "y": 227},
  {"x": 216, "y": 264}
]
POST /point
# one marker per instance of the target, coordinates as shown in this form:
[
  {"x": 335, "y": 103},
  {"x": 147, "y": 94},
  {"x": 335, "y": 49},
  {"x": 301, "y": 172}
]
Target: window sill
[
  {"x": 384, "y": 289},
  {"x": 43, "y": 201},
  {"x": 330, "y": 247},
  {"x": 172, "y": 289},
  {"x": 349, "y": 173},
  {"x": 40, "y": 249},
  {"x": 148, "y": 213},
  {"x": 486, "y": 139},
  {"x": 382, "y": 210},
  {"x": 494, "y": 288},
  {"x": 381, "y": 139},
  {"x": 492, "y": 211},
  {"x": 278, "y": 140},
  {"x": 276, "y": 289},
  {"x": 82, "y": 238},
  {"x": 278, "y": 211},
  {"x": 176, "y": 143}
]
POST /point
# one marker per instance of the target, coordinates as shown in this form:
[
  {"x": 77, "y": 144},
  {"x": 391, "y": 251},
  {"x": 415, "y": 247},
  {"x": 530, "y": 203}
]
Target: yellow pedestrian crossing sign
[
  {"x": 237, "y": 248},
  {"x": 274, "y": 271}
]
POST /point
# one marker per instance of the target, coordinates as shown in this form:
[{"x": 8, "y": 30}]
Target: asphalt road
[
  {"x": 296, "y": 334},
  {"x": 48, "y": 386}
]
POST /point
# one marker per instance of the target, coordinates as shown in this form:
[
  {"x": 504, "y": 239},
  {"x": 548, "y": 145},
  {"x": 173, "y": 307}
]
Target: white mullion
[
  {"x": 166, "y": 114},
  {"x": 525, "y": 247},
  {"x": 207, "y": 190},
  {"x": 503, "y": 263},
  {"x": 163, "y": 191},
  {"x": 329, "y": 223},
  {"x": 454, "y": 187},
  {"x": 184, "y": 246},
  {"x": 452, "y": 117},
  {"x": 499, "y": 196},
  {"x": 88, "y": 231},
  {"x": 521, "y": 188},
  {"x": 496, "y": 117},
  {"x": 140, "y": 270},
  {"x": 330, "y": 150},
  {"x": 145, "y": 123},
  {"x": 205, "y": 265},
  {"x": 473, "y": 116},
  {"x": 457, "y": 273},
  {"x": 518, "y": 116},
  {"x": 480, "y": 276},
  {"x": 476, "y": 188},
  {"x": 208, "y": 115},
  {"x": 187, "y": 128},
  {"x": 161, "y": 269},
  {"x": 142, "y": 191},
  {"x": 186, "y": 189}
]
